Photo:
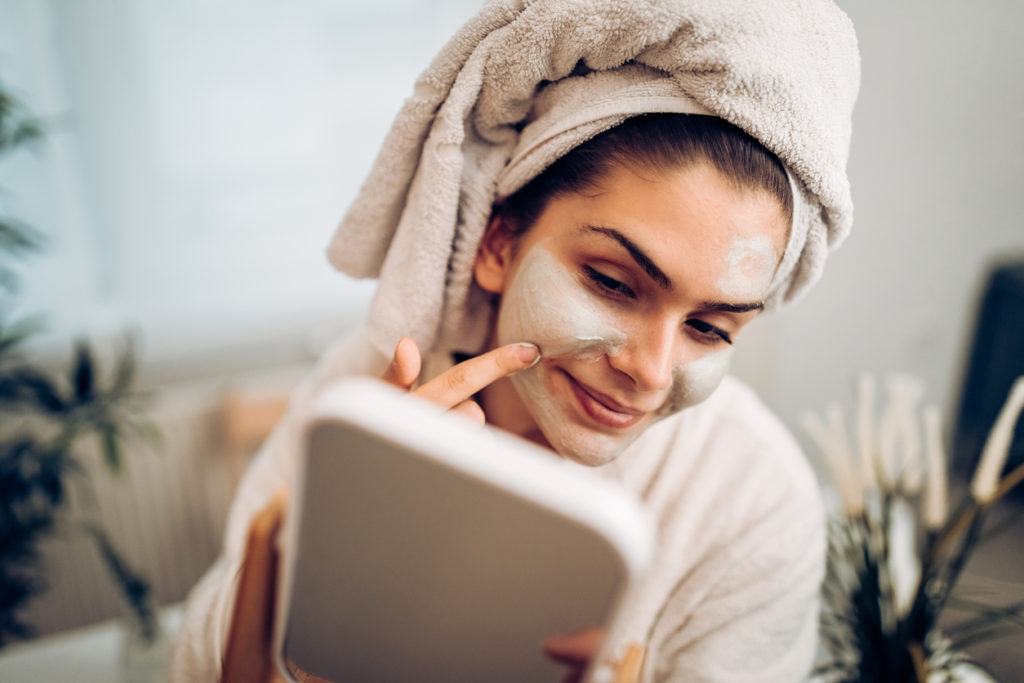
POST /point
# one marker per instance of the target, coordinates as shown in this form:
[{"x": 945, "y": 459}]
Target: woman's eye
[
  {"x": 708, "y": 333},
  {"x": 609, "y": 284}
]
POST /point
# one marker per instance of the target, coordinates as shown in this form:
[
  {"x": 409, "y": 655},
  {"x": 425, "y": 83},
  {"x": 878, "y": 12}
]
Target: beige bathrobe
[{"x": 732, "y": 593}]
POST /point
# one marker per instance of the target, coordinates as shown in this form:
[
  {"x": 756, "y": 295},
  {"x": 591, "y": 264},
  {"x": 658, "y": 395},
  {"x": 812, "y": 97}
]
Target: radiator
[{"x": 165, "y": 512}]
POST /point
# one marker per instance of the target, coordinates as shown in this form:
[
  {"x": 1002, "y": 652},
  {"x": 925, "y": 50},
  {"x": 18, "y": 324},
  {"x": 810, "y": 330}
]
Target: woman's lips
[{"x": 603, "y": 409}]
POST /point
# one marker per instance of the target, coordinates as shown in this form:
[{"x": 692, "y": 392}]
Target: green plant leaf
[
  {"x": 16, "y": 590},
  {"x": 14, "y": 456},
  {"x": 110, "y": 447},
  {"x": 134, "y": 588},
  {"x": 149, "y": 432},
  {"x": 10, "y": 390},
  {"x": 35, "y": 387},
  {"x": 52, "y": 486},
  {"x": 17, "y": 127},
  {"x": 82, "y": 373},
  {"x": 54, "y": 466},
  {"x": 26, "y": 131},
  {"x": 17, "y": 237}
]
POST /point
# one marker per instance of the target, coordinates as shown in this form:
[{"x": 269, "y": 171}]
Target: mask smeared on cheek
[
  {"x": 695, "y": 381},
  {"x": 546, "y": 305},
  {"x": 748, "y": 269}
]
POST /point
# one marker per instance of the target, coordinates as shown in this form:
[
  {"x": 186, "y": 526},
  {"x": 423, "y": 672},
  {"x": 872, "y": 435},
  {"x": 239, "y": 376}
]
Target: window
[{"x": 202, "y": 155}]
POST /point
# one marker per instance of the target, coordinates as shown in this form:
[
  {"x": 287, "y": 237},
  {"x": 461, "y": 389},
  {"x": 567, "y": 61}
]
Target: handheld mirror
[{"x": 420, "y": 546}]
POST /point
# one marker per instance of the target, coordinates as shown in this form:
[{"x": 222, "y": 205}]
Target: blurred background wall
[
  {"x": 937, "y": 171},
  {"x": 201, "y": 154}
]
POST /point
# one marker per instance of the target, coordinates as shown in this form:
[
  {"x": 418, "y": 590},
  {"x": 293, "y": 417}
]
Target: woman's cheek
[
  {"x": 695, "y": 381},
  {"x": 545, "y": 304}
]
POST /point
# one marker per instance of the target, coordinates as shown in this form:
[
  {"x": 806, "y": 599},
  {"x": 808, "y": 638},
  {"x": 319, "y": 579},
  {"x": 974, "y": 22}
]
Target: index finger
[
  {"x": 575, "y": 648},
  {"x": 459, "y": 383}
]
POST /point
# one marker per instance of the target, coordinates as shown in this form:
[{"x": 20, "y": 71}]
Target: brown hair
[{"x": 657, "y": 142}]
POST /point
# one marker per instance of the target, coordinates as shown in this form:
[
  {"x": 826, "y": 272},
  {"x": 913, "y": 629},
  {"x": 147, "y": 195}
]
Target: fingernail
[{"x": 528, "y": 352}]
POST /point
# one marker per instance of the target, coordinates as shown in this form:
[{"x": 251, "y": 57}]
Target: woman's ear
[{"x": 490, "y": 269}]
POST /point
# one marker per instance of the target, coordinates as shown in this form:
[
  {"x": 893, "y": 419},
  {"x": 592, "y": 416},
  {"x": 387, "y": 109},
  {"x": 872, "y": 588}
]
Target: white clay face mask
[
  {"x": 749, "y": 268},
  {"x": 695, "y": 381},
  {"x": 547, "y": 305}
]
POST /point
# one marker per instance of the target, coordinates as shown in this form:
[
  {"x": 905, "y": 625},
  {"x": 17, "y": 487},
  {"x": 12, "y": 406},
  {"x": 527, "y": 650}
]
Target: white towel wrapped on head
[{"x": 475, "y": 130}]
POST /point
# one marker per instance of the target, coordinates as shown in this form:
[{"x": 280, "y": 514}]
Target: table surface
[{"x": 91, "y": 654}]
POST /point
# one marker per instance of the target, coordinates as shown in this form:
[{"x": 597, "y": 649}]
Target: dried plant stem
[
  {"x": 967, "y": 514},
  {"x": 992, "y": 461},
  {"x": 956, "y": 526},
  {"x": 988, "y": 614},
  {"x": 1009, "y": 481},
  {"x": 970, "y": 514},
  {"x": 924, "y": 608},
  {"x": 870, "y": 635},
  {"x": 986, "y": 633},
  {"x": 955, "y": 567}
]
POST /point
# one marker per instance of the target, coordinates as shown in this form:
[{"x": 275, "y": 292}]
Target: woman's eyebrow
[
  {"x": 638, "y": 255},
  {"x": 731, "y": 308},
  {"x": 656, "y": 274}
]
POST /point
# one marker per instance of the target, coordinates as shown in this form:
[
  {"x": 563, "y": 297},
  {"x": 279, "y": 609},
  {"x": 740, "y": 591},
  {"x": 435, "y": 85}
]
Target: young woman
[{"x": 610, "y": 248}]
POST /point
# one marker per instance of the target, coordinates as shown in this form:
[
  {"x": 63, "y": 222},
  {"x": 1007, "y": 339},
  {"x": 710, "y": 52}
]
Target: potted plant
[
  {"x": 46, "y": 419},
  {"x": 895, "y": 550}
]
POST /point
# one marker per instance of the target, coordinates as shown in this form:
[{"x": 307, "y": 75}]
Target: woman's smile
[{"x": 600, "y": 408}]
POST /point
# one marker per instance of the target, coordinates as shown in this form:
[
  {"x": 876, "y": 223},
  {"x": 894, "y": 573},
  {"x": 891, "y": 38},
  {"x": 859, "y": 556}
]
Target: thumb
[{"x": 405, "y": 365}]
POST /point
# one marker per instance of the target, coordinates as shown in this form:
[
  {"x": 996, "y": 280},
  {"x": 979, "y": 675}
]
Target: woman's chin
[{"x": 588, "y": 448}]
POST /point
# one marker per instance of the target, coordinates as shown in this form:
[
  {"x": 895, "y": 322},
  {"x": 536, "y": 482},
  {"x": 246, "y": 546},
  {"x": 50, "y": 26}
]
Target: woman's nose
[{"x": 647, "y": 357}]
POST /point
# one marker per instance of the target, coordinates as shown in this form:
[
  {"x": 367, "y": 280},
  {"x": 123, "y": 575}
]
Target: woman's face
[{"x": 634, "y": 293}]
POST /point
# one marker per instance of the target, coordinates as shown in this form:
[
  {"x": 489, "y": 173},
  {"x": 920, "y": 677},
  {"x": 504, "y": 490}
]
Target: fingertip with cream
[{"x": 528, "y": 353}]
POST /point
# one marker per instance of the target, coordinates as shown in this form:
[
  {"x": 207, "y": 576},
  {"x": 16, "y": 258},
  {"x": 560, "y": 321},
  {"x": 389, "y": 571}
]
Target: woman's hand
[
  {"x": 578, "y": 648},
  {"x": 247, "y": 656},
  {"x": 454, "y": 388}
]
